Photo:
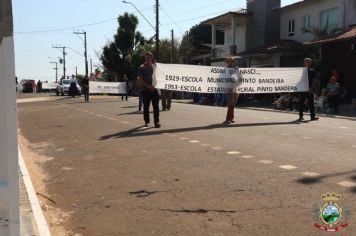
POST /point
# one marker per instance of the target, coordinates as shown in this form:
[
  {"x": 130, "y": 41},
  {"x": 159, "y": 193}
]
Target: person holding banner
[
  {"x": 232, "y": 97},
  {"x": 309, "y": 95},
  {"x": 149, "y": 92}
]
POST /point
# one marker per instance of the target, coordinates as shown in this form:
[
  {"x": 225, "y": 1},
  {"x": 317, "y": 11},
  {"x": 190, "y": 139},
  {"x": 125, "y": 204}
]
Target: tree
[
  {"x": 137, "y": 57},
  {"x": 324, "y": 32},
  {"x": 195, "y": 41},
  {"x": 115, "y": 53},
  {"x": 165, "y": 48}
]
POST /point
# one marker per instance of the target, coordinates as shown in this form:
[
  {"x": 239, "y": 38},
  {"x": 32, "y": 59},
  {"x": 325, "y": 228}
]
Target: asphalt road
[{"x": 262, "y": 175}]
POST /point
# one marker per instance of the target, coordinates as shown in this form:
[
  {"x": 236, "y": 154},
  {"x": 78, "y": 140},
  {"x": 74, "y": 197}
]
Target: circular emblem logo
[{"x": 331, "y": 214}]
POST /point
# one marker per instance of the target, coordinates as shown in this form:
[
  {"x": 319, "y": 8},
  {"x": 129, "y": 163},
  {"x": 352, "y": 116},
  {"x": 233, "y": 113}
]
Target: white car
[{"x": 63, "y": 87}]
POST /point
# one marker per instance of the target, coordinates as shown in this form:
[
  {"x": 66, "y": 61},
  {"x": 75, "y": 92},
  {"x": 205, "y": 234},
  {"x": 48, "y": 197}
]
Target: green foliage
[
  {"x": 195, "y": 40},
  {"x": 115, "y": 54},
  {"x": 324, "y": 32},
  {"x": 80, "y": 79},
  {"x": 137, "y": 57}
]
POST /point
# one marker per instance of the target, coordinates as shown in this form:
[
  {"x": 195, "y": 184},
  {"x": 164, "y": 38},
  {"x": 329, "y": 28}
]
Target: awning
[
  {"x": 226, "y": 17},
  {"x": 281, "y": 45},
  {"x": 342, "y": 36}
]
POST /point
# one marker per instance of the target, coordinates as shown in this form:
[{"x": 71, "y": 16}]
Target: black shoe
[
  {"x": 300, "y": 119},
  {"x": 314, "y": 118},
  {"x": 146, "y": 125},
  {"x": 158, "y": 125}
]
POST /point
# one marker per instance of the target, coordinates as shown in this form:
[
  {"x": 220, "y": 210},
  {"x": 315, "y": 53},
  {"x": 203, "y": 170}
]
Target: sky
[{"x": 41, "y": 24}]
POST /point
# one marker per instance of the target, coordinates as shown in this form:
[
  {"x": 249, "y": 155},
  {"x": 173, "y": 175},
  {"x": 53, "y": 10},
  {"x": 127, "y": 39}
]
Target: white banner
[
  {"x": 107, "y": 87},
  {"x": 207, "y": 79},
  {"x": 49, "y": 86}
]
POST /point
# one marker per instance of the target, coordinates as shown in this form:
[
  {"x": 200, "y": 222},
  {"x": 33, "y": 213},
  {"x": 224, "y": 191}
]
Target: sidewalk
[
  {"x": 33, "y": 222},
  {"x": 345, "y": 111},
  {"x": 28, "y": 224}
]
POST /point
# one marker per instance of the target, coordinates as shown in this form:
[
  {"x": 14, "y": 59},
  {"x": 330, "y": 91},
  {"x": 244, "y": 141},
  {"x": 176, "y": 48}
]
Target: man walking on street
[
  {"x": 149, "y": 92},
  {"x": 232, "y": 97},
  {"x": 309, "y": 95}
]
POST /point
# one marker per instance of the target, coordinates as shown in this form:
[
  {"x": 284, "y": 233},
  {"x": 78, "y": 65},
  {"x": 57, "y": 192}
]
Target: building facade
[
  {"x": 253, "y": 37},
  {"x": 301, "y": 20},
  {"x": 327, "y": 26}
]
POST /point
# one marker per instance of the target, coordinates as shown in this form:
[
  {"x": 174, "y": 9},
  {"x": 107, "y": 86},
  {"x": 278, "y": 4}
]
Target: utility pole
[
  {"x": 91, "y": 66},
  {"x": 85, "y": 50},
  {"x": 76, "y": 72},
  {"x": 56, "y": 68},
  {"x": 64, "y": 60},
  {"x": 157, "y": 29},
  {"x": 9, "y": 162},
  {"x": 172, "y": 46}
]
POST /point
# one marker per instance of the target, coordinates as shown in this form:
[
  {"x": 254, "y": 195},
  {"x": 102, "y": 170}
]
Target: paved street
[{"x": 99, "y": 172}]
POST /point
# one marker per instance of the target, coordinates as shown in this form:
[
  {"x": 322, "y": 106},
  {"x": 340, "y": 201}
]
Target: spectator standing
[
  {"x": 34, "y": 86},
  {"x": 39, "y": 86},
  {"x": 86, "y": 88},
  {"x": 127, "y": 88},
  {"x": 333, "y": 88},
  {"x": 166, "y": 96}
]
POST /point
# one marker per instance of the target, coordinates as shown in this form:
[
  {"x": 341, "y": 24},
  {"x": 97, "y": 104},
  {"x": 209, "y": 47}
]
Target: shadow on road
[
  {"x": 140, "y": 131},
  {"x": 130, "y": 107},
  {"x": 81, "y": 100},
  {"x": 320, "y": 178},
  {"x": 130, "y": 113}
]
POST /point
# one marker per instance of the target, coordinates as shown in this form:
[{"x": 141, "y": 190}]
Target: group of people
[{"x": 151, "y": 95}]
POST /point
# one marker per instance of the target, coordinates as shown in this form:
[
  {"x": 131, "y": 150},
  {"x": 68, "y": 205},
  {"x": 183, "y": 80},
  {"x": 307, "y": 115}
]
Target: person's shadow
[{"x": 143, "y": 131}]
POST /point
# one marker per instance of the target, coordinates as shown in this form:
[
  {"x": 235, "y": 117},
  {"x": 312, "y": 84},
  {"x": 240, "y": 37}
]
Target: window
[
  {"x": 291, "y": 27},
  {"x": 329, "y": 18},
  {"x": 306, "y": 22}
]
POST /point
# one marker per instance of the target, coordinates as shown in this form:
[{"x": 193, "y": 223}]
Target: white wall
[
  {"x": 351, "y": 12},
  {"x": 312, "y": 8},
  {"x": 9, "y": 185},
  {"x": 240, "y": 37}
]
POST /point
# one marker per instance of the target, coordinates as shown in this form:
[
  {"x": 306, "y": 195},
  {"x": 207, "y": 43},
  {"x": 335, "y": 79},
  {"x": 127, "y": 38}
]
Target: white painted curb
[{"x": 41, "y": 222}]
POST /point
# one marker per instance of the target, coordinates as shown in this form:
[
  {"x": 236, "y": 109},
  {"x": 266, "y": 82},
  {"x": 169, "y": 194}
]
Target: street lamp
[
  {"x": 140, "y": 13},
  {"x": 56, "y": 68}
]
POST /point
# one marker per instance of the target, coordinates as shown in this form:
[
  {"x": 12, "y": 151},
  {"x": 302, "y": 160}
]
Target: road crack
[{"x": 145, "y": 193}]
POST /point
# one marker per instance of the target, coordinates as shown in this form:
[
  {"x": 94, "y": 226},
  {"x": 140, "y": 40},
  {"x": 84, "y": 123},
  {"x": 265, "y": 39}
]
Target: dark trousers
[
  {"x": 147, "y": 97},
  {"x": 140, "y": 101},
  {"x": 86, "y": 94},
  {"x": 122, "y": 97},
  {"x": 334, "y": 103},
  {"x": 310, "y": 97},
  {"x": 166, "y": 96}
]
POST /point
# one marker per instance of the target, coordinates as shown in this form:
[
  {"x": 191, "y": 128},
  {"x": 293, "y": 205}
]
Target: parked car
[{"x": 63, "y": 87}]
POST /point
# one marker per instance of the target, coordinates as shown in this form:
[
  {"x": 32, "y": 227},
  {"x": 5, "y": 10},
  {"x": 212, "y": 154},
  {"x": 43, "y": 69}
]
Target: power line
[
  {"x": 203, "y": 7},
  {"x": 198, "y": 17},
  {"x": 75, "y": 51},
  {"x": 164, "y": 11},
  {"x": 66, "y": 28}
]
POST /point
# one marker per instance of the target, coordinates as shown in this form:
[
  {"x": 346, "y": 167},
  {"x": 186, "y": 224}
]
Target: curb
[{"x": 40, "y": 220}]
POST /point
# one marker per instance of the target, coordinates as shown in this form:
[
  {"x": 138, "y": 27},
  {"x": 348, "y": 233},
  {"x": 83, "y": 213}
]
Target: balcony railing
[{"x": 225, "y": 51}]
